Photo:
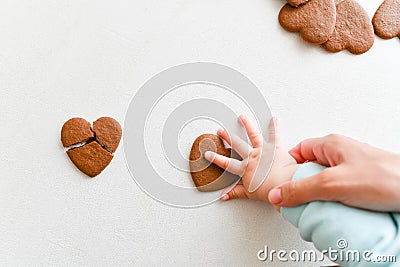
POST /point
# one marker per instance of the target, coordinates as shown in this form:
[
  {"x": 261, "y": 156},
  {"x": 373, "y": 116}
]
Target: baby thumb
[{"x": 238, "y": 191}]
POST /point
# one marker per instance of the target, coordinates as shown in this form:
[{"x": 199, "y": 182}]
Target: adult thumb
[{"x": 298, "y": 192}]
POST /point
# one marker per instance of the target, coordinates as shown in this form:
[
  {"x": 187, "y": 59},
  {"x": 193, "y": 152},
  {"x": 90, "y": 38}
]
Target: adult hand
[{"x": 360, "y": 175}]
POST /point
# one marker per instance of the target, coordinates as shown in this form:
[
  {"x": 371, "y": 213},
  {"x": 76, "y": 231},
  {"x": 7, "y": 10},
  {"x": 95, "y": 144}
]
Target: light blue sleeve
[{"x": 331, "y": 225}]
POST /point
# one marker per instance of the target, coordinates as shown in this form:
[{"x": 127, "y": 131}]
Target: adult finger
[
  {"x": 310, "y": 150},
  {"x": 328, "y": 150},
  {"x": 238, "y": 191},
  {"x": 297, "y": 192},
  {"x": 253, "y": 133},
  {"x": 237, "y": 144},
  {"x": 229, "y": 164}
]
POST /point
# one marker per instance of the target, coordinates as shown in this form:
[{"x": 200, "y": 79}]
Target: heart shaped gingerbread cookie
[
  {"x": 208, "y": 176},
  {"x": 386, "y": 20},
  {"x": 91, "y": 149},
  {"x": 296, "y": 3},
  {"x": 315, "y": 19},
  {"x": 353, "y": 29}
]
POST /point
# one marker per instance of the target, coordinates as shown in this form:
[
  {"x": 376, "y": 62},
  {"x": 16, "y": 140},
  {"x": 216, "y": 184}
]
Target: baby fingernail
[
  {"x": 225, "y": 197},
  {"x": 275, "y": 196},
  {"x": 208, "y": 155}
]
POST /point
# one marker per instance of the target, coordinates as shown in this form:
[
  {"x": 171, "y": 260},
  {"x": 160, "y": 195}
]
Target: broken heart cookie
[
  {"x": 353, "y": 30},
  {"x": 315, "y": 20},
  {"x": 208, "y": 176},
  {"x": 91, "y": 149},
  {"x": 386, "y": 20}
]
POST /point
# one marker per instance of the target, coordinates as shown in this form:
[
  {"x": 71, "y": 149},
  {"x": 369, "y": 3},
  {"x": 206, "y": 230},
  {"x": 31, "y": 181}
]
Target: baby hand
[{"x": 256, "y": 163}]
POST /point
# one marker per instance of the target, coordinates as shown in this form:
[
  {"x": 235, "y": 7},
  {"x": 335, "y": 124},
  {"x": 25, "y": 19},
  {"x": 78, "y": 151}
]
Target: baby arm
[{"x": 361, "y": 237}]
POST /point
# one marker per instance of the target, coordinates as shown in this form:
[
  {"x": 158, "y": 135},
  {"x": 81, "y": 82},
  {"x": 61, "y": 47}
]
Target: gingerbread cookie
[
  {"x": 386, "y": 20},
  {"x": 91, "y": 159},
  {"x": 108, "y": 132},
  {"x": 315, "y": 20},
  {"x": 296, "y": 3},
  {"x": 74, "y": 131},
  {"x": 91, "y": 150},
  {"x": 208, "y": 176},
  {"x": 353, "y": 29}
]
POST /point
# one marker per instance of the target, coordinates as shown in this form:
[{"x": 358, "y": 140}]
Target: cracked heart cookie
[
  {"x": 208, "y": 176},
  {"x": 353, "y": 30},
  {"x": 91, "y": 149},
  {"x": 386, "y": 20},
  {"x": 315, "y": 20}
]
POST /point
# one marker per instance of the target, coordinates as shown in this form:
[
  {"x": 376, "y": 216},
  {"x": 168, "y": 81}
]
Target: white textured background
[{"x": 60, "y": 59}]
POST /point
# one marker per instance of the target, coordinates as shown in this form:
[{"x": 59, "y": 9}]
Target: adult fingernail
[
  {"x": 225, "y": 197},
  {"x": 275, "y": 196}
]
